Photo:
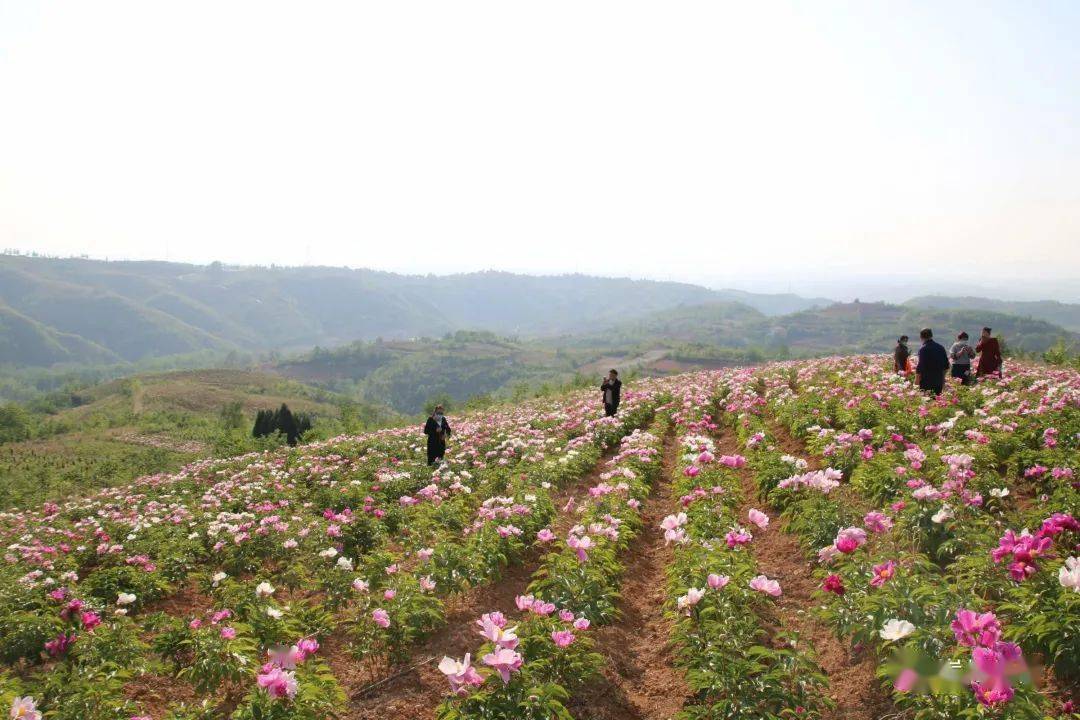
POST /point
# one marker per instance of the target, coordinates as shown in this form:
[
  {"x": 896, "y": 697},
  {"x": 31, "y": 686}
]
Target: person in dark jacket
[
  {"x": 901, "y": 354},
  {"x": 437, "y": 430},
  {"x": 933, "y": 362},
  {"x": 611, "y": 388},
  {"x": 989, "y": 350}
]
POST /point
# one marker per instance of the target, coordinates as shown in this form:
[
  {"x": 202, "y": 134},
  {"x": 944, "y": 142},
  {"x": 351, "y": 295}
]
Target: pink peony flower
[
  {"x": 973, "y": 629},
  {"x": 765, "y": 585},
  {"x": 381, "y": 618},
  {"x": 717, "y": 581},
  {"x": 460, "y": 675},
  {"x": 758, "y": 518},
  {"x": 877, "y": 522},
  {"x": 737, "y": 538},
  {"x": 849, "y": 539},
  {"x": 505, "y": 661},
  {"x": 24, "y": 708},
  {"x": 562, "y": 638},
  {"x": 277, "y": 683}
]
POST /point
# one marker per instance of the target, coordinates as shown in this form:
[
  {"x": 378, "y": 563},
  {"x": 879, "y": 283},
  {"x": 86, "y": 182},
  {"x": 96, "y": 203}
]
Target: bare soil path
[
  {"x": 639, "y": 681},
  {"x": 852, "y": 681}
]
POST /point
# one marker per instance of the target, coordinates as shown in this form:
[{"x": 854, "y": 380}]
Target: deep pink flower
[
  {"x": 973, "y": 629},
  {"x": 834, "y": 584},
  {"x": 736, "y": 538},
  {"x": 849, "y": 539}
]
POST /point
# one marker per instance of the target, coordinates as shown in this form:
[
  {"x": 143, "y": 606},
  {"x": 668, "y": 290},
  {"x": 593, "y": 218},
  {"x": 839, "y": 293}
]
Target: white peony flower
[
  {"x": 945, "y": 513},
  {"x": 896, "y": 629},
  {"x": 264, "y": 590},
  {"x": 125, "y": 598},
  {"x": 1069, "y": 574}
]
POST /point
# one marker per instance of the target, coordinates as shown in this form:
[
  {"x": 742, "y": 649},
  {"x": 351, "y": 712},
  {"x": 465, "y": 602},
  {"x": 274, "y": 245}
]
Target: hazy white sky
[{"x": 669, "y": 140}]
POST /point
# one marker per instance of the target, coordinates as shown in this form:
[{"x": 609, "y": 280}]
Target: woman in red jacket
[{"x": 989, "y": 354}]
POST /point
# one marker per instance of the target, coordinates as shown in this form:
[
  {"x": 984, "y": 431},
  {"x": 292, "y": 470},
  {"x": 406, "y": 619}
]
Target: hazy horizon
[{"x": 838, "y": 150}]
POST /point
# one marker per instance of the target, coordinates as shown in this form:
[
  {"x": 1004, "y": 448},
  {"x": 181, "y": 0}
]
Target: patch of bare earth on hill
[
  {"x": 414, "y": 689},
  {"x": 853, "y": 685},
  {"x": 639, "y": 680}
]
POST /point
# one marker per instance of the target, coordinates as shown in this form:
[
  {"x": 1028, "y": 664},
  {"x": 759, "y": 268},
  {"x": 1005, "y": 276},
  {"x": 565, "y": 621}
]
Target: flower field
[{"x": 801, "y": 540}]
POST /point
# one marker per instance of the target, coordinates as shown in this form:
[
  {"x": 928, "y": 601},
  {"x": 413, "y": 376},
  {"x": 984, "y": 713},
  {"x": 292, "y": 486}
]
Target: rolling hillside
[
  {"x": 838, "y": 328},
  {"x": 1067, "y": 315},
  {"x": 130, "y": 311}
]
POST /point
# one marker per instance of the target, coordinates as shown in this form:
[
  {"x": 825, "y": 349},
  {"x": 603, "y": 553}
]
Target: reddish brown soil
[
  {"x": 413, "y": 690},
  {"x": 155, "y": 693},
  {"x": 639, "y": 681},
  {"x": 852, "y": 682}
]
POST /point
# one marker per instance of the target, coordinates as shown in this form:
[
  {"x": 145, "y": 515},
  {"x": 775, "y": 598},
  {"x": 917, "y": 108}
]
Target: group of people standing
[{"x": 932, "y": 360}]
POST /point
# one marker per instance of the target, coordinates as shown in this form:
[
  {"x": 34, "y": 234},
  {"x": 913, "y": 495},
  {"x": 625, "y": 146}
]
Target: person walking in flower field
[
  {"x": 989, "y": 350},
  {"x": 933, "y": 362},
  {"x": 611, "y": 388},
  {"x": 437, "y": 430}
]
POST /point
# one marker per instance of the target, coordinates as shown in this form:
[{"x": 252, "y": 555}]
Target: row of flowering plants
[
  {"x": 938, "y": 544},
  {"x": 227, "y": 576},
  {"x": 531, "y": 668},
  {"x": 736, "y": 666}
]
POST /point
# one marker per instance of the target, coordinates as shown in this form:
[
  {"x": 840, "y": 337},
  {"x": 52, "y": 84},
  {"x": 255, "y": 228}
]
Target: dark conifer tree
[{"x": 286, "y": 424}]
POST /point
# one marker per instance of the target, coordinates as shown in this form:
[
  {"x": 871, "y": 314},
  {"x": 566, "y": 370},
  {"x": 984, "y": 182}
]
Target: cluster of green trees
[{"x": 291, "y": 425}]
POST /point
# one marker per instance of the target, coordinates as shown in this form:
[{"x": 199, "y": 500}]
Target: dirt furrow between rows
[
  {"x": 640, "y": 681},
  {"x": 852, "y": 681}
]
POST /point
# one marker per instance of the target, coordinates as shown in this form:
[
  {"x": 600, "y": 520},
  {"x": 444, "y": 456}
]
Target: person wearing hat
[{"x": 437, "y": 430}]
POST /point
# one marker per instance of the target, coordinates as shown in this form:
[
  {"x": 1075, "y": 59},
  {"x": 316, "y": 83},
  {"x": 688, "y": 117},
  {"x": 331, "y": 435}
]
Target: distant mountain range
[
  {"x": 1067, "y": 315},
  {"x": 839, "y": 327},
  {"x": 87, "y": 311},
  {"x": 77, "y": 312}
]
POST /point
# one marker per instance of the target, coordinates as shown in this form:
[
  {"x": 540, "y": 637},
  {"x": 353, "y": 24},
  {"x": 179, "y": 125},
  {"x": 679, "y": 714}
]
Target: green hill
[
  {"x": 838, "y": 328},
  {"x": 406, "y": 374},
  {"x": 140, "y": 310},
  {"x": 1067, "y": 315},
  {"x": 24, "y": 341},
  {"x": 112, "y": 432}
]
